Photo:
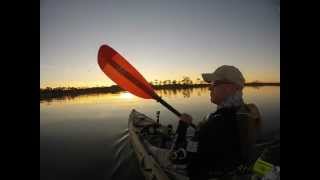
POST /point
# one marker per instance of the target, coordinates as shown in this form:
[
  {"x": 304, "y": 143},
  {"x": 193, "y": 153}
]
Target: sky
[{"x": 162, "y": 39}]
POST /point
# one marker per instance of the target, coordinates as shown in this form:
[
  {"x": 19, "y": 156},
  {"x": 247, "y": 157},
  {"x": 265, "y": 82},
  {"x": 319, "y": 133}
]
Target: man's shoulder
[
  {"x": 248, "y": 111},
  {"x": 215, "y": 116},
  {"x": 238, "y": 113},
  {"x": 243, "y": 111},
  {"x": 208, "y": 119},
  {"x": 225, "y": 113}
]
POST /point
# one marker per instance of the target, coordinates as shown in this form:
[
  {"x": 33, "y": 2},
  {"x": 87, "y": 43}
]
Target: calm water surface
[{"x": 86, "y": 137}]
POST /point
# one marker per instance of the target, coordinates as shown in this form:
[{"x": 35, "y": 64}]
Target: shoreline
[{"x": 62, "y": 92}]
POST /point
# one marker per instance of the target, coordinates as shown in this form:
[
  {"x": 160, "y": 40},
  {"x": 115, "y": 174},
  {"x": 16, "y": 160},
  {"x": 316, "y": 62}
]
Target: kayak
[{"x": 153, "y": 143}]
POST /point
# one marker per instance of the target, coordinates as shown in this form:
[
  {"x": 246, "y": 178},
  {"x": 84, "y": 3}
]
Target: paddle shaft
[
  {"x": 168, "y": 106},
  {"x": 173, "y": 110}
]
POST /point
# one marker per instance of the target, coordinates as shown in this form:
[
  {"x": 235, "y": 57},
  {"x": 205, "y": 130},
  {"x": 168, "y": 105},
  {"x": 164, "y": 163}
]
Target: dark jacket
[{"x": 224, "y": 143}]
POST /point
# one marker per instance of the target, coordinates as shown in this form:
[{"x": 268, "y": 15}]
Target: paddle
[{"x": 120, "y": 71}]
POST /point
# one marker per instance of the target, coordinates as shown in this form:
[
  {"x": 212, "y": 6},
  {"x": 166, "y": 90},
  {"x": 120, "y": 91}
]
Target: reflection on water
[
  {"x": 253, "y": 93},
  {"x": 85, "y": 137},
  {"x": 186, "y": 93},
  {"x": 168, "y": 93}
]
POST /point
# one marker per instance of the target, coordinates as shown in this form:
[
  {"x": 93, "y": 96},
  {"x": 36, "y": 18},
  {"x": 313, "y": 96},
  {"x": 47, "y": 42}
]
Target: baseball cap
[{"x": 225, "y": 73}]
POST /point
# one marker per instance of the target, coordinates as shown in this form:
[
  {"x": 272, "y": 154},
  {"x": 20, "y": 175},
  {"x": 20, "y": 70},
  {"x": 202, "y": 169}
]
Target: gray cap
[{"x": 225, "y": 73}]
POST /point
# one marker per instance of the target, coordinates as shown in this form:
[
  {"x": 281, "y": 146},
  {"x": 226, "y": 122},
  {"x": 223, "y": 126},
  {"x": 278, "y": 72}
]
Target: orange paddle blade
[{"x": 120, "y": 71}]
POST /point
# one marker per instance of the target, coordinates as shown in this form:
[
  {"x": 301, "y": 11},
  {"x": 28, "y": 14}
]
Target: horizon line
[{"x": 256, "y": 81}]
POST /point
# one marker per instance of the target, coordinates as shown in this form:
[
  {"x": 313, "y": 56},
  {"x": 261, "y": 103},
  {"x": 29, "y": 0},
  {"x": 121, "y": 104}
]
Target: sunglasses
[{"x": 217, "y": 83}]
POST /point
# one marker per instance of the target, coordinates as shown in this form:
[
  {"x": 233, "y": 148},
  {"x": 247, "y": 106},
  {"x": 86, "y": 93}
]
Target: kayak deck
[{"x": 152, "y": 159}]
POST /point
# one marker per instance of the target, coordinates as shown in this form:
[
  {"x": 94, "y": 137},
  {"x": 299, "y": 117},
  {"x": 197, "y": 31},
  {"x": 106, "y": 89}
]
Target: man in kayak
[{"x": 226, "y": 137}]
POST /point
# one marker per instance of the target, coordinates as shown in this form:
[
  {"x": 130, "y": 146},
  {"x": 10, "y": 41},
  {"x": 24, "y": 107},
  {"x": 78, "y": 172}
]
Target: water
[{"x": 86, "y": 137}]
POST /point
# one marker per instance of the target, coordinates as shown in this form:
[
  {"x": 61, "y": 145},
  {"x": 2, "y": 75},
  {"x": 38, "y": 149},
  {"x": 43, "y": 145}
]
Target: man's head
[{"x": 224, "y": 81}]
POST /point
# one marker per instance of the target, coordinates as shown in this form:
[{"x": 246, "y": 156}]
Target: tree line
[{"x": 186, "y": 82}]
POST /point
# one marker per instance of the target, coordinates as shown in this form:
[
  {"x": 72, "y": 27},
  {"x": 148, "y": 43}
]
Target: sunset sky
[{"x": 163, "y": 39}]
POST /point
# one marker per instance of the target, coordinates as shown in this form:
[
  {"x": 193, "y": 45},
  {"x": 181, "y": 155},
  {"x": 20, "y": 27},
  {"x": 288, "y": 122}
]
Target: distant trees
[
  {"x": 155, "y": 82},
  {"x": 184, "y": 83},
  {"x": 166, "y": 82},
  {"x": 198, "y": 81},
  {"x": 186, "y": 80}
]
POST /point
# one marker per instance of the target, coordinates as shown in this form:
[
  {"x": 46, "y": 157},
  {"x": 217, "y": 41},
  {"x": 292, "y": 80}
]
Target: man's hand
[{"x": 186, "y": 118}]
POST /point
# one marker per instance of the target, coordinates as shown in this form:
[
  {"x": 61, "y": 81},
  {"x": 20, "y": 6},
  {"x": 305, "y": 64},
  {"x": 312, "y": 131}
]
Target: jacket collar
[{"x": 234, "y": 100}]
